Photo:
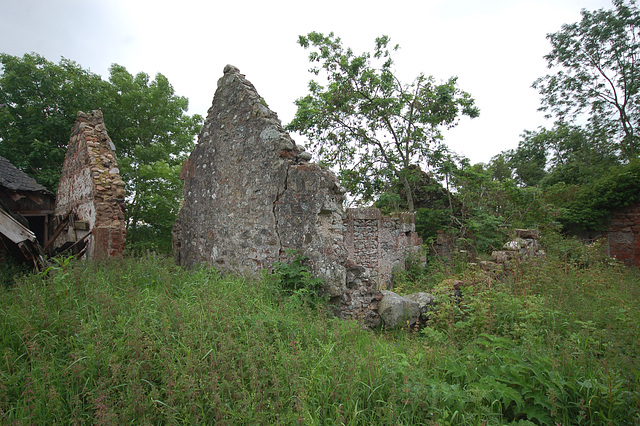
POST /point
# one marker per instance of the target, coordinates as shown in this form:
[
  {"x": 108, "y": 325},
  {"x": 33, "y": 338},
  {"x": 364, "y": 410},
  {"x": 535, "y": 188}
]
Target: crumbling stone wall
[
  {"x": 251, "y": 194},
  {"x": 623, "y": 235},
  {"x": 378, "y": 243},
  {"x": 91, "y": 189}
]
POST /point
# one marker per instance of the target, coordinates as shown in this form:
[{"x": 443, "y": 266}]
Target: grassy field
[{"x": 143, "y": 341}]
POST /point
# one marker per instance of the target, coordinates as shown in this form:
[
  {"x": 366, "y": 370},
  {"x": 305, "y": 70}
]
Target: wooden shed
[{"x": 25, "y": 204}]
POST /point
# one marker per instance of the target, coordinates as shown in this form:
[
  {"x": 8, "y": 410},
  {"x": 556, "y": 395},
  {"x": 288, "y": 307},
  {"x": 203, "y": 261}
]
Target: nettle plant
[{"x": 295, "y": 280}]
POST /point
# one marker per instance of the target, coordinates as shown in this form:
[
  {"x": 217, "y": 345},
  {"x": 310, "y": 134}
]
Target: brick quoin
[{"x": 623, "y": 235}]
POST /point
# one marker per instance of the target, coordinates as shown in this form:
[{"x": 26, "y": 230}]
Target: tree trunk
[{"x": 408, "y": 192}]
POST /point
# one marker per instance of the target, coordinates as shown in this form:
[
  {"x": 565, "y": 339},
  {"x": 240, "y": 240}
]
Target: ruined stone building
[
  {"x": 91, "y": 193},
  {"x": 251, "y": 194}
]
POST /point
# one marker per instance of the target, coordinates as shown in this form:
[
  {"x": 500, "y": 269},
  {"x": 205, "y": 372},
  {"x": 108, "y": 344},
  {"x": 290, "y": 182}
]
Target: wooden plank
[
  {"x": 13, "y": 230},
  {"x": 57, "y": 232}
]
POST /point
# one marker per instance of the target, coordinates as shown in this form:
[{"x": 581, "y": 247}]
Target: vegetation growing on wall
[{"x": 593, "y": 203}]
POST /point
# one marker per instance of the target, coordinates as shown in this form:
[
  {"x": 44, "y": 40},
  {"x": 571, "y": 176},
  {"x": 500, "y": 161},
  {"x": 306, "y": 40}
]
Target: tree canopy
[
  {"x": 39, "y": 101},
  {"x": 369, "y": 124},
  {"x": 145, "y": 119},
  {"x": 564, "y": 153},
  {"x": 153, "y": 136},
  {"x": 597, "y": 73}
]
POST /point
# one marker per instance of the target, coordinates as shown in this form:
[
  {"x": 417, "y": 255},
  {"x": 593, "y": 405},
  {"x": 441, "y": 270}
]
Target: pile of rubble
[{"x": 524, "y": 245}]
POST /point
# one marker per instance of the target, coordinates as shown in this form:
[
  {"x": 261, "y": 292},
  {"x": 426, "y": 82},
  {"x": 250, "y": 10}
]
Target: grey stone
[
  {"x": 425, "y": 300},
  {"x": 502, "y": 256},
  {"x": 515, "y": 245},
  {"x": 305, "y": 156},
  {"x": 250, "y": 196},
  {"x": 397, "y": 311},
  {"x": 285, "y": 144},
  {"x": 533, "y": 234},
  {"x": 250, "y": 205},
  {"x": 230, "y": 69}
]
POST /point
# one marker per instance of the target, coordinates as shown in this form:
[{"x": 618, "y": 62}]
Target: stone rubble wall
[
  {"x": 251, "y": 195},
  {"x": 379, "y": 243},
  {"x": 235, "y": 181},
  {"x": 91, "y": 188},
  {"x": 623, "y": 235}
]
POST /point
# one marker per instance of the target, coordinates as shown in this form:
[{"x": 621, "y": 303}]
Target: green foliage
[
  {"x": 39, "y": 101},
  {"x": 153, "y": 135},
  {"x": 142, "y": 341},
  {"x": 11, "y": 269},
  {"x": 598, "y": 74},
  {"x": 490, "y": 202},
  {"x": 575, "y": 253},
  {"x": 567, "y": 154},
  {"x": 295, "y": 280},
  {"x": 147, "y": 122},
  {"x": 366, "y": 122},
  {"x": 529, "y": 160},
  {"x": 431, "y": 220},
  {"x": 592, "y": 205}
]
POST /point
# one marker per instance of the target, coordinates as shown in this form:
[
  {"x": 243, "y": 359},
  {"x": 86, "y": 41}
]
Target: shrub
[{"x": 295, "y": 280}]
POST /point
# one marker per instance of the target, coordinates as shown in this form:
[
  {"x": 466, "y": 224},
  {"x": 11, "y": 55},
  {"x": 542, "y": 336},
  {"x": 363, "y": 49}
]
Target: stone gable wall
[
  {"x": 623, "y": 235},
  {"x": 91, "y": 188},
  {"x": 251, "y": 195}
]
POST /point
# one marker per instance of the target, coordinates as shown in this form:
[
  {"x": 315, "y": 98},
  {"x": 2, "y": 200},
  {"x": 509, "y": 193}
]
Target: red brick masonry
[{"x": 623, "y": 235}]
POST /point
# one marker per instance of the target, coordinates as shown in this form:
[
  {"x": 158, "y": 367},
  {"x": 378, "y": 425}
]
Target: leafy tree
[
  {"x": 598, "y": 73},
  {"x": 367, "y": 123},
  {"x": 147, "y": 122},
  {"x": 153, "y": 135},
  {"x": 578, "y": 157},
  {"x": 591, "y": 206},
  {"x": 499, "y": 167},
  {"x": 565, "y": 153},
  {"x": 39, "y": 101},
  {"x": 529, "y": 160}
]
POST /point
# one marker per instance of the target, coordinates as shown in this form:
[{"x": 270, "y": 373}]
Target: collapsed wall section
[{"x": 91, "y": 191}]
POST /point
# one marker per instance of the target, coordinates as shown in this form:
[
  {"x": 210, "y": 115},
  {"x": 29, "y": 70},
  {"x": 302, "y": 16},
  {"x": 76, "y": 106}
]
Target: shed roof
[{"x": 16, "y": 180}]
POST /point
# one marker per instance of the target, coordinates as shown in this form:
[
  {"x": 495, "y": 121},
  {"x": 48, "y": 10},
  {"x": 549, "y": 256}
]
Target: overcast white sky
[{"x": 495, "y": 47}]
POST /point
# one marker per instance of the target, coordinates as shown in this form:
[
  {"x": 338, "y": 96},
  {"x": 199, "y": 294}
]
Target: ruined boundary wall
[
  {"x": 250, "y": 195},
  {"x": 623, "y": 235},
  {"x": 91, "y": 189}
]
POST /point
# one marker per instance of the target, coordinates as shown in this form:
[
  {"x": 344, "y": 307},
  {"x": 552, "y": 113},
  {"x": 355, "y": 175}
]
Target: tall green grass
[{"x": 143, "y": 341}]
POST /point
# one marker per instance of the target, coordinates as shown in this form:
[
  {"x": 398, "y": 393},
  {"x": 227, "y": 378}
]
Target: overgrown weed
[{"x": 141, "y": 340}]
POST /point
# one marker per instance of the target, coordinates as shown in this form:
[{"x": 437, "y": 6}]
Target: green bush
[
  {"x": 295, "y": 280},
  {"x": 11, "y": 269},
  {"x": 594, "y": 202}
]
